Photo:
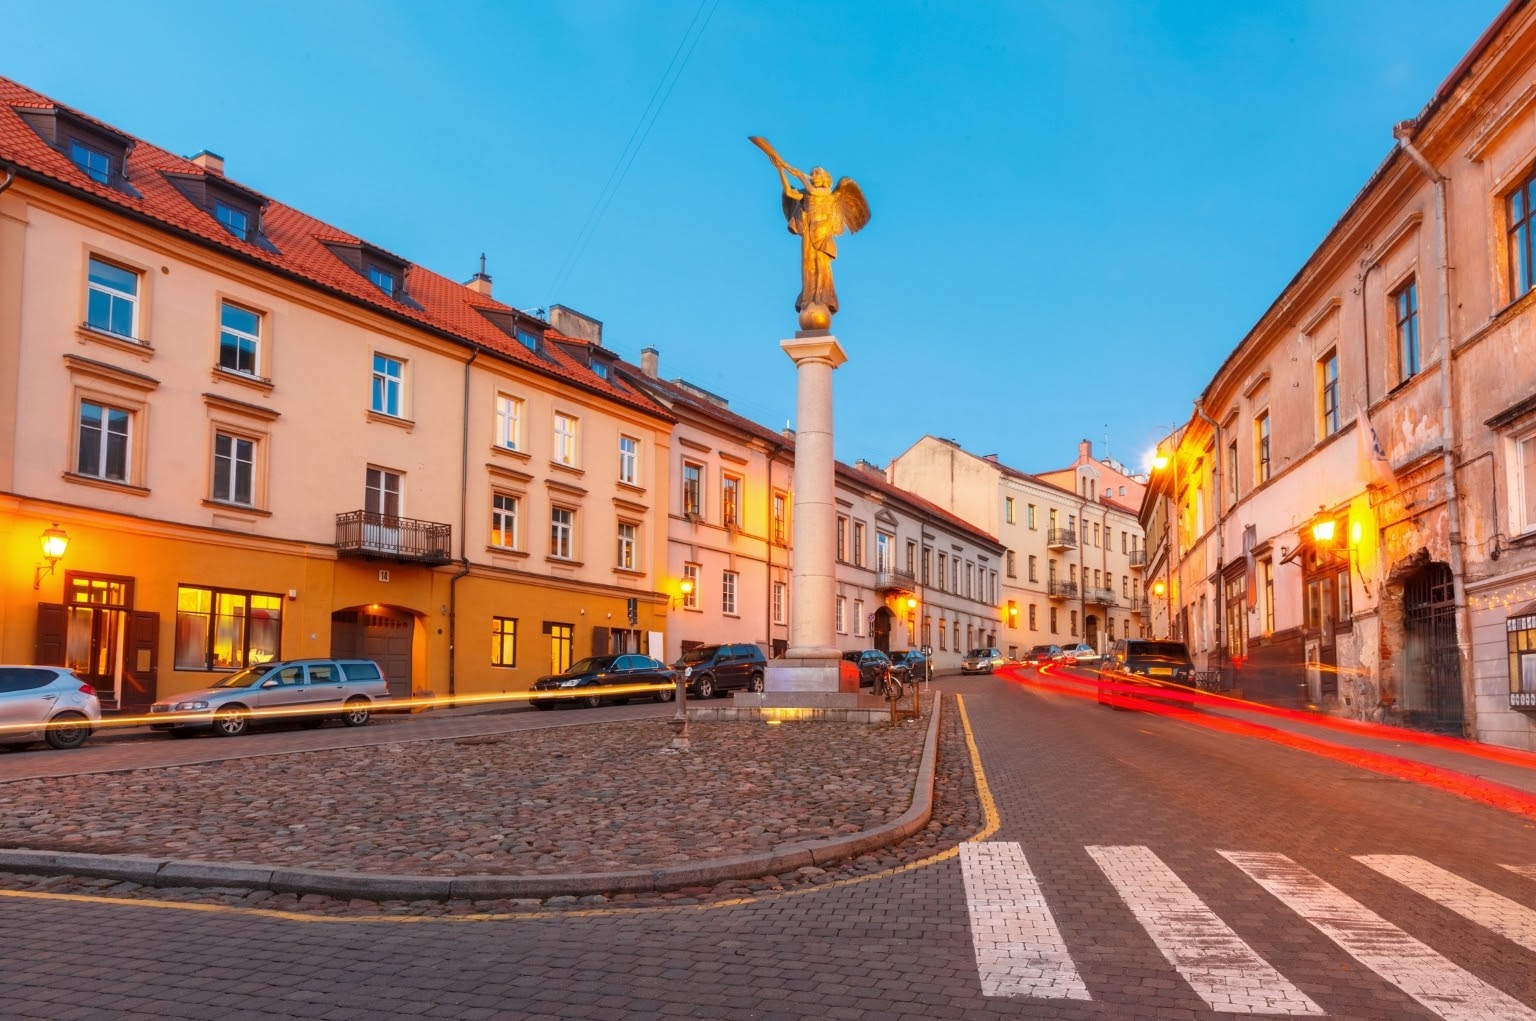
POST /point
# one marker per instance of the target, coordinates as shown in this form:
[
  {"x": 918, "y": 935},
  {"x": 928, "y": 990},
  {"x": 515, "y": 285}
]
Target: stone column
[{"x": 813, "y": 652}]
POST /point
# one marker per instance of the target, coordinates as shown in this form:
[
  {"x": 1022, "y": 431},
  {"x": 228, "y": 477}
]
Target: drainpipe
[
  {"x": 10, "y": 177},
  {"x": 1401, "y": 132},
  {"x": 453, "y": 583},
  {"x": 1221, "y": 529}
]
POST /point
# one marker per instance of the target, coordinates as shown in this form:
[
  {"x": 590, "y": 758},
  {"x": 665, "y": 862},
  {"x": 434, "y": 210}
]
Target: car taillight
[{"x": 86, "y": 689}]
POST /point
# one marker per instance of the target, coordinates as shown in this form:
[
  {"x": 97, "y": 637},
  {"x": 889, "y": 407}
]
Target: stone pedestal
[{"x": 810, "y": 664}]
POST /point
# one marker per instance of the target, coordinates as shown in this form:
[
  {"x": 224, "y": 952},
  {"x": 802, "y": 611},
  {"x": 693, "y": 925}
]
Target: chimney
[
  {"x": 789, "y": 432},
  {"x": 210, "y": 161},
  {"x": 869, "y": 468},
  {"x": 1085, "y": 451},
  {"x": 480, "y": 283},
  {"x": 650, "y": 361}
]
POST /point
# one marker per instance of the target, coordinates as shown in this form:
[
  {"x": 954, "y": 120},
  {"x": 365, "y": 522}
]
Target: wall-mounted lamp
[
  {"x": 685, "y": 587},
  {"x": 1159, "y": 588},
  {"x": 55, "y": 541},
  {"x": 1013, "y": 613},
  {"x": 1160, "y": 462}
]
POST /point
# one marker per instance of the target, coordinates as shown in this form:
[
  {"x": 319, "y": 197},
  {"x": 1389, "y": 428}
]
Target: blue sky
[{"x": 1079, "y": 207}]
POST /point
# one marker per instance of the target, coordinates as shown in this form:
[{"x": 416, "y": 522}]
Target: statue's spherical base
[{"x": 815, "y": 316}]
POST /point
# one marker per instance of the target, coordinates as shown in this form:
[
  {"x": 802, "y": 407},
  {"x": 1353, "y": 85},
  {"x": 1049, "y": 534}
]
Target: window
[
  {"x": 1520, "y": 637},
  {"x": 382, "y": 279},
  {"x": 884, "y": 543},
  {"x": 1053, "y": 620},
  {"x": 104, "y": 438},
  {"x": 1030, "y": 510},
  {"x": 840, "y": 620},
  {"x": 954, "y": 571},
  {"x": 911, "y": 557},
  {"x": 730, "y": 500},
  {"x": 858, "y": 543},
  {"x": 1405, "y": 311},
  {"x": 388, "y": 384},
  {"x": 219, "y": 629},
  {"x": 629, "y": 460},
  {"x": 1008, "y": 509},
  {"x": 942, "y": 632},
  {"x": 1237, "y": 616},
  {"x": 565, "y": 440},
  {"x": 1096, "y": 541},
  {"x": 562, "y": 643},
  {"x": 234, "y": 469},
  {"x": 112, "y": 299},
  {"x": 780, "y": 518},
  {"x": 779, "y": 593},
  {"x": 383, "y": 489},
  {"x": 693, "y": 489},
  {"x": 858, "y": 617},
  {"x": 842, "y": 539},
  {"x": 562, "y": 525},
  {"x": 628, "y": 534},
  {"x": 728, "y": 592},
  {"x": 1328, "y": 392},
  {"x": 927, "y": 556},
  {"x": 528, "y": 339},
  {"x": 1231, "y": 482},
  {"x": 1261, "y": 448},
  {"x": 1034, "y": 567},
  {"x": 236, "y": 221},
  {"x": 600, "y": 370},
  {"x": 1525, "y": 482},
  {"x": 691, "y": 576},
  {"x": 239, "y": 340},
  {"x": 96, "y": 164},
  {"x": 1269, "y": 597},
  {"x": 504, "y": 521},
  {"x": 503, "y": 641},
  {"x": 1012, "y": 567},
  {"x": 1522, "y": 243},
  {"x": 943, "y": 564},
  {"x": 509, "y": 422},
  {"x": 1033, "y": 625},
  {"x": 1123, "y": 548}
]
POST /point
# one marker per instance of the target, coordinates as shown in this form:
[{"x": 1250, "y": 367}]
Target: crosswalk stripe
[
  {"x": 1019, "y": 949},
  {"x": 1439, "y": 984},
  {"x": 1221, "y": 969},
  {"x": 1509, "y": 919}
]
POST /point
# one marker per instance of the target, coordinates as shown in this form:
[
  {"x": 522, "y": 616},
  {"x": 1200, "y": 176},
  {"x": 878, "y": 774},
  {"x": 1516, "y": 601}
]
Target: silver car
[
  {"x": 46, "y": 703},
  {"x": 310, "y": 690},
  {"x": 982, "y": 661}
]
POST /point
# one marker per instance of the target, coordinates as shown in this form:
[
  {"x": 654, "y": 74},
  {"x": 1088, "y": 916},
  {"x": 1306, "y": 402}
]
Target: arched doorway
[
  {"x": 880, "y": 629},
  {"x": 380, "y": 633},
  {"x": 1431, "y": 681},
  {"x": 1091, "y": 630}
]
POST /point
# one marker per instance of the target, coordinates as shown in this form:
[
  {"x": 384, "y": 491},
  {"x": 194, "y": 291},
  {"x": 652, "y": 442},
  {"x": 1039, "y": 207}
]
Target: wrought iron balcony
[
  {"x": 1138, "y": 558},
  {"x": 1100, "y": 596},
  {"x": 894, "y": 579},
  {"x": 1061, "y": 589},
  {"x": 1061, "y": 538},
  {"x": 366, "y": 534}
]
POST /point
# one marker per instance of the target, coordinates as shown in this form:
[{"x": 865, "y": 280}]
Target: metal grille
[{"x": 1432, "y": 684}]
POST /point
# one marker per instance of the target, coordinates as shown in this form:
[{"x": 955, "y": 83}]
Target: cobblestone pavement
[{"x": 554, "y": 800}]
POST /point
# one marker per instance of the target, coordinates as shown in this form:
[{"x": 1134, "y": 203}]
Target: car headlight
[
  {"x": 570, "y": 683},
  {"x": 187, "y": 707}
]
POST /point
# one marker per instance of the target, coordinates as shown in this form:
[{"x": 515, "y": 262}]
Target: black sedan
[
  {"x": 912, "y": 666},
  {"x": 874, "y": 668},
  {"x": 586, "y": 680}
]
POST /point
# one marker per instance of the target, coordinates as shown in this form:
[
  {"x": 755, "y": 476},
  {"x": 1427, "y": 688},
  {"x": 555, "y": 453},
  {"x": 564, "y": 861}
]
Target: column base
[{"x": 803, "y": 671}]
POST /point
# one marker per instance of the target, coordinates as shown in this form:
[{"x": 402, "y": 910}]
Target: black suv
[
  {"x": 1145, "y": 662},
  {"x": 709, "y": 669}
]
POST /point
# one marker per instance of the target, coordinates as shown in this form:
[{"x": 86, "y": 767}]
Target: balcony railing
[
  {"x": 1061, "y": 589},
  {"x": 1100, "y": 596},
  {"x": 894, "y": 578},
  {"x": 1061, "y": 538},
  {"x": 364, "y": 533},
  {"x": 1136, "y": 604},
  {"x": 1138, "y": 558}
]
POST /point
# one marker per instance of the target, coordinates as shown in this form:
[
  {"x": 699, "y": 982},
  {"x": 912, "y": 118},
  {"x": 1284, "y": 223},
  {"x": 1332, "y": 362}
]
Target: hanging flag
[
  {"x": 1374, "y": 466},
  {"x": 1250, "y": 540}
]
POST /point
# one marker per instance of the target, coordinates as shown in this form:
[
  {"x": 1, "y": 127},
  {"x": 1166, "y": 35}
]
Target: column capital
[{"x": 814, "y": 347}]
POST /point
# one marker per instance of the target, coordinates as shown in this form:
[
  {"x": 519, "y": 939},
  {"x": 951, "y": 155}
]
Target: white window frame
[
  {"x": 1523, "y": 465},
  {"x": 628, "y": 543},
  {"x": 509, "y": 422},
  {"x": 103, "y": 439},
  {"x": 780, "y": 592},
  {"x": 728, "y": 584},
  {"x": 113, "y": 295},
  {"x": 1329, "y": 420},
  {"x": 1009, "y": 511},
  {"x": 840, "y": 608},
  {"x": 562, "y": 533},
  {"x": 629, "y": 460},
  {"x": 384, "y": 487},
  {"x": 567, "y": 438},
  {"x": 691, "y": 599},
  {"x": 858, "y": 618},
  {"x": 241, "y": 339},
  {"x": 388, "y": 396},
  {"x": 233, "y": 460},
  {"x": 505, "y": 510}
]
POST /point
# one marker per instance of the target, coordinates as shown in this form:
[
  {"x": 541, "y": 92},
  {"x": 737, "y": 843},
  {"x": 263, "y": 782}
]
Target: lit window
[
  {"x": 234, "y": 469},
  {"x": 691, "y": 576},
  {"x": 388, "y": 385},
  {"x": 382, "y": 279},
  {"x": 629, "y": 460},
  {"x": 728, "y": 592},
  {"x": 96, "y": 164},
  {"x": 236, "y": 221},
  {"x": 509, "y": 422},
  {"x": 693, "y": 489},
  {"x": 1405, "y": 306},
  {"x": 780, "y": 518},
  {"x": 503, "y": 641},
  {"x": 627, "y": 537},
  {"x": 565, "y": 440},
  {"x": 504, "y": 521},
  {"x": 730, "y": 500},
  {"x": 224, "y": 630},
  {"x": 239, "y": 340},
  {"x": 112, "y": 298},
  {"x": 562, "y": 524},
  {"x": 103, "y": 442}
]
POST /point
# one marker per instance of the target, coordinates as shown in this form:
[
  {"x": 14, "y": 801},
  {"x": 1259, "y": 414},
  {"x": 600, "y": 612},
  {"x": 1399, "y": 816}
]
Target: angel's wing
[{"x": 850, "y": 201}]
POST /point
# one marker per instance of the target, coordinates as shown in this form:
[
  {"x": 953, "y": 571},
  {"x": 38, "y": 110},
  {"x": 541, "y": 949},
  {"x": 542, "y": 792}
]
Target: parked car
[
  {"x": 1040, "y": 654},
  {"x": 1145, "y": 663},
  {"x": 982, "y": 661},
  {"x": 584, "y": 680},
  {"x": 912, "y": 666},
  {"x": 1082, "y": 652},
  {"x": 310, "y": 690},
  {"x": 711, "y": 669},
  {"x": 874, "y": 668},
  {"x": 46, "y": 703}
]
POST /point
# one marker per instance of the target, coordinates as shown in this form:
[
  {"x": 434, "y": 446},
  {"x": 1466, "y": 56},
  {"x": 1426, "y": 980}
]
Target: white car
[
  {"x": 982, "y": 661},
  {"x": 1080, "y": 653},
  {"x": 46, "y": 703}
]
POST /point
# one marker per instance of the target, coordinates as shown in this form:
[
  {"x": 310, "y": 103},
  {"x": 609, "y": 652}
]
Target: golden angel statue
[{"x": 818, "y": 212}]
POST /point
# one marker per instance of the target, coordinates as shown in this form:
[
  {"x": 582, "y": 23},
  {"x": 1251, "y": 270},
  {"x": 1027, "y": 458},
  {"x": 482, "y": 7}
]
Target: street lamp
[{"x": 55, "y": 541}]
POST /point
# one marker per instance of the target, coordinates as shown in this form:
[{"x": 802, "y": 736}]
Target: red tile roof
[{"x": 446, "y": 307}]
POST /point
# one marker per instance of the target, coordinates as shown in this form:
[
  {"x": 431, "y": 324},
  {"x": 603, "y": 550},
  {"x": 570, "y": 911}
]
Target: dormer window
[
  {"x": 528, "y": 340},
  {"x": 236, "y": 221},
  {"x": 96, "y": 164},
  {"x": 601, "y": 368},
  {"x": 382, "y": 279}
]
